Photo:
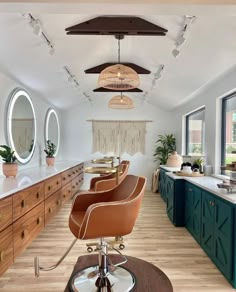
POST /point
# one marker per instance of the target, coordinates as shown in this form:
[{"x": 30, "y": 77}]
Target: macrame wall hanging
[{"x": 119, "y": 136}]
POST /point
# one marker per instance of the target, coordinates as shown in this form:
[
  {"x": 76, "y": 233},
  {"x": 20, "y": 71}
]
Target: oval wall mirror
[
  {"x": 52, "y": 128},
  {"x": 21, "y": 125}
]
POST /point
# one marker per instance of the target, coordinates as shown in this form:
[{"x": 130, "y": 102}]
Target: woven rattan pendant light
[
  {"x": 118, "y": 77},
  {"x": 121, "y": 102}
]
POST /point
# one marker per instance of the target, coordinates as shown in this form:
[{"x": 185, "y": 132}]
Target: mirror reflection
[
  {"x": 52, "y": 128},
  {"x": 21, "y": 125}
]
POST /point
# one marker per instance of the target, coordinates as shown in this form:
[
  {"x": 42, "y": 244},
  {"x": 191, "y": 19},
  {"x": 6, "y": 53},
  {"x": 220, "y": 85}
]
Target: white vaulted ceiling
[{"x": 209, "y": 51}]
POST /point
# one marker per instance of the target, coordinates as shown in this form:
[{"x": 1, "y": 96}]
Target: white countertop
[
  {"x": 209, "y": 184},
  {"x": 31, "y": 176},
  {"x": 170, "y": 168}
]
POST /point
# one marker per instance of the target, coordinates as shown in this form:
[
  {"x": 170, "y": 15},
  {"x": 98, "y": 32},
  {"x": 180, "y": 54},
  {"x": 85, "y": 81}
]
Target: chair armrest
[
  {"x": 105, "y": 185},
  {"x": 99, "y": 178}
]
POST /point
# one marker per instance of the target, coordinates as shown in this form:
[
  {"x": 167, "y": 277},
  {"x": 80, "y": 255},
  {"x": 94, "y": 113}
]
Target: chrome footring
[{"x": 116, "y": 280}]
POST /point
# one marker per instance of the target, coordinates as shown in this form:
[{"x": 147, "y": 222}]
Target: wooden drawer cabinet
[
  {"x": 5, "y": 212},
  {"x": 52, "y": 185},
  {"x": 76, "y": 183},
  {"x": 66, "y": 176},
  {"x": 6, "y": 249},
  {"x": 27, "y": 199},
  {"x": 52, "y": 206},
  {"x": 66, "y": 192},
  {"x": 27, "y": 228}
]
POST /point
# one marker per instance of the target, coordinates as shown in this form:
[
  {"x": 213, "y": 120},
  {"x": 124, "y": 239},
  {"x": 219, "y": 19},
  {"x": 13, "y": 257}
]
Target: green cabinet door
[
  {"x": 162, "y": 182},
  {"x": 207, "y": 236},
  {"x": 170, "y": 198},
  {"x": 217, "y": 232},
  {"x": 193, "y": 199},
  {"x": 175, "y": 200}
]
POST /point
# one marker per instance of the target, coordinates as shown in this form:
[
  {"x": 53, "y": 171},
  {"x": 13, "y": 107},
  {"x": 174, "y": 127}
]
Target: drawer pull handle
[
  {"x": 213, "y": 204},
  {"x": 58, "y": 202},
  {"x": 190, "y": 190},
  {"x": 50, "y": 210},
  {"x": 69, "y": 191},
  {"x": 37, "y": 195},
  {"x": 22, "y": 203},
  {"x": 73, "y": 187},
  {"x": 77, "y": 184},
  {"x": 39, "y": 220},
  {"x": 73, "y": 172},
  {"x": 69, "y": 175},
  {"x": 23, "y": 234},
  {"x": 64, "y": 196},
  {"x": 1, "y": 256},
  {"x": 57, "y": 182},
  {"x": 49, "y": 188},
  {"x": 64, "y": 178}
]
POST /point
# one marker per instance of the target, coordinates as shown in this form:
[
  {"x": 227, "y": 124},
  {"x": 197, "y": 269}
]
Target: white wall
[
  {"x": 7, "y": 84},
  {"x": 77, "y": 133},
  {"x": 210, "y": 96}
]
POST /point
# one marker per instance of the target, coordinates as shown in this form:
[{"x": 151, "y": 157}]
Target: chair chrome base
[{"x": 117, "y": 280}]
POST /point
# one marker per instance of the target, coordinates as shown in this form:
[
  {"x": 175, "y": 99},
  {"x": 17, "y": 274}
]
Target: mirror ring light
[
  {"x": 13, "y": 98},
  {"x": 50, "y": 112}
]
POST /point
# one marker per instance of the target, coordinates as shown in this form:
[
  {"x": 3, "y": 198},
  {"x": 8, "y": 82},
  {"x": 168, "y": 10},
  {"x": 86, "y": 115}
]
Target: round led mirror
[
  {"x": 21, "y": 125},
  {"x": 52, "y": 128}
]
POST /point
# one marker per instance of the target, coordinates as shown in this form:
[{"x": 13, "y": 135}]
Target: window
[
  {"x": 195, "y": 132},
  {"x": 228, "y": 129}
]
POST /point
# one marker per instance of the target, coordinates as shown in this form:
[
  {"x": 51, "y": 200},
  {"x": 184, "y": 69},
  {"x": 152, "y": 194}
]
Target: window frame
[
  {"x": 187, "y": 132},
  {"x": 223, "y": 125}
]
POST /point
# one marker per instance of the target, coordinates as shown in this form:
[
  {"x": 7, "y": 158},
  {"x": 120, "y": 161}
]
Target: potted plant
[
  {"x": 9, "y": 167},
  {"x": 166, "y": 144},
  {"x": 50, "y": 151}
]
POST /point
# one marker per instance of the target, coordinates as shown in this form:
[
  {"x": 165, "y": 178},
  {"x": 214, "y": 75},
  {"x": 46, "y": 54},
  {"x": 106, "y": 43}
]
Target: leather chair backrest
[{"x": 116, "y": 215}]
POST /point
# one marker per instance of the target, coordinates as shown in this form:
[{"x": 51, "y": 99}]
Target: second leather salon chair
[
  {"x": 107, "y": 182},
  {"x": 99, "y": 215}
]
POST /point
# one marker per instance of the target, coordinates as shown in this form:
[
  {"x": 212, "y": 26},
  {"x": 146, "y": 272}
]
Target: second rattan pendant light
[
  {"x": 121, "y": 102},
  {"x": 118, "y": 76}
]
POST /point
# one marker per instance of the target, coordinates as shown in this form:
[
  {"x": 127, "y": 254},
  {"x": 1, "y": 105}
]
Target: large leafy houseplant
[
  {"x": 165, "y": 145},
  {"x": 9, "y": 167}
]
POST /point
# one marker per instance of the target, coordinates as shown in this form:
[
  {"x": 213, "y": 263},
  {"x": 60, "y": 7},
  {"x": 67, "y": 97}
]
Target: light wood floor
[{"x": 153, "y": 239}]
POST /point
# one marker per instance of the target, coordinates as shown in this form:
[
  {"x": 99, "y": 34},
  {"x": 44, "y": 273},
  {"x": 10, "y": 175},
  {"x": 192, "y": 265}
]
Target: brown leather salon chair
[
  {"x": 107, "y": 182},
  {"x": 98, "y": 215}
]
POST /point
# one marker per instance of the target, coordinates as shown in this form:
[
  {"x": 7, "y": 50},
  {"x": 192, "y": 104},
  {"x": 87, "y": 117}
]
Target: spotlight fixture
[
  {"x": 71, "y": 77},
  {"x": 181, "y": 38},
  {"x": 37, "y": 30}
]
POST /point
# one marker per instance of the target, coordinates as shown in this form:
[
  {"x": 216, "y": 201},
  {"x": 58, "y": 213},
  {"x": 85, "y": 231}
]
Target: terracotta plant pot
[
  {"x": 10, "y": 169},
  {"x": 50, "y": 161}
]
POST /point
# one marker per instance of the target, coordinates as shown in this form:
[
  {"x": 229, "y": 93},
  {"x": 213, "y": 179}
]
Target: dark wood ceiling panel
[
  {"x": 102, "y": 89},
  {"x": 99, "y": 68},
  {"x": 117, "y": 25}
]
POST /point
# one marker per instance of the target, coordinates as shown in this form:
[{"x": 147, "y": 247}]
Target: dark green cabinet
[
  {"x": 217, "y": 232},
  {"x": 175, "y": 200},
  {"x": 193, "y": 210},
  {"x": 162, "y": 184}
]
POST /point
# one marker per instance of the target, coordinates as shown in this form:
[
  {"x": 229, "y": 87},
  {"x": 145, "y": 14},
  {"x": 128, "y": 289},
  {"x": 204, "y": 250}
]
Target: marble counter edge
[
  {"x": 209, "y": 184},
  {"x": 30, "y": 176}
]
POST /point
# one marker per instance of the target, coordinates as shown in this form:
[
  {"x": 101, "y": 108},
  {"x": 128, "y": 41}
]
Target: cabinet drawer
[
  {"x": 66, "y": 192},
  {"x": 27, "y": 199},
  {"x": 52, "y": 206},
  {"x": 5, "y": 212},
  {"x": 6, "y": 249},
  {"x": 52, "y": 185},
  {"x": 76, "y": 183},
  {"x": 66, "y": 176},
  {"x": 27, "y": 228}
]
